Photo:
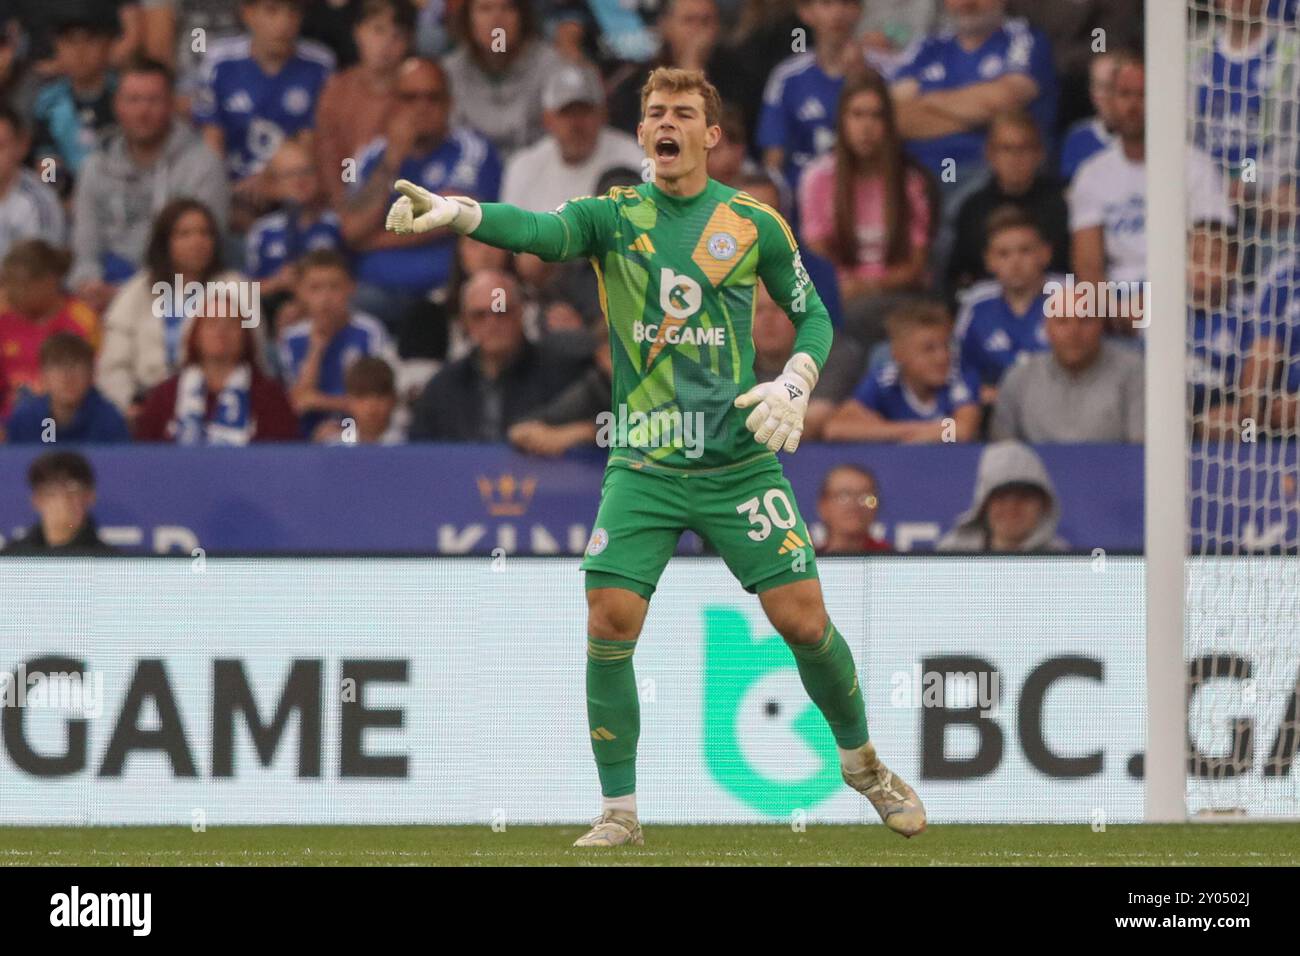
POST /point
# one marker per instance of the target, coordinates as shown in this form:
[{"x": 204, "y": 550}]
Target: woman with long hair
[
  {"x": 868, "y": 208},
  {"x": 144, "y": 333}
]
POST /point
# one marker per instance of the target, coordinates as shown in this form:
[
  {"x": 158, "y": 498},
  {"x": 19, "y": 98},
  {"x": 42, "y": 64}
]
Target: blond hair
[{"x": 673, "y": 79}]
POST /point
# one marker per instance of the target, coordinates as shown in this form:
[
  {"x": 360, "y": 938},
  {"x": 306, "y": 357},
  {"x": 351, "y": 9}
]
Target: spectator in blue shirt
[
  {"x": 395, "y": 273},
  {"x": 69, "y": 409},
  {"x": 72, "y": 110},
  {"x": 917, "y": 397},
  {"x": 260, "y": 89},
  {"x": 1219, "y": 339},
  {"x": 951, "y": 85},
  {"x": 316, "y": 351},
  {"x": 1002, "y": 318},
  {"x": 801, "y": 98},
  {"x": 302, "y": 223}
]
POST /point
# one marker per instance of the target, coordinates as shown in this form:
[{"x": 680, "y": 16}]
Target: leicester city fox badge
[{"x": 722, "y": 245}]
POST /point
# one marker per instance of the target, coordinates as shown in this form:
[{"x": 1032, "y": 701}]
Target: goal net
[{"x": 1242, "y": 607}]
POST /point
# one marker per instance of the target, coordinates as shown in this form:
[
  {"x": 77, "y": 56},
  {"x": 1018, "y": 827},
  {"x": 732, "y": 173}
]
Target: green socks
[
  {"x": 828, "y": 675},
  {"x": 613, "y": 714},
  {"x": 614, "y": 707}
]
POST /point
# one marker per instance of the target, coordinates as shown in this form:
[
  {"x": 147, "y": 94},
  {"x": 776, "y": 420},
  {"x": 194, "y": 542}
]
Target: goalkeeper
[{"x": 693, "y": 439}]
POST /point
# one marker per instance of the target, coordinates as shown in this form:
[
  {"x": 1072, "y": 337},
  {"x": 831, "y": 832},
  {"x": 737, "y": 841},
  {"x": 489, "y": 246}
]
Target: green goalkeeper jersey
[{"x": 678, "y": 285}]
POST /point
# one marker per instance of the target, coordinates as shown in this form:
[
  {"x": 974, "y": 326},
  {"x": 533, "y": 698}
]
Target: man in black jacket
[
  {"x": 504, "y": 380},
  {"x": 63, "y": 492},
  {"x": 1015, "y": 157}
]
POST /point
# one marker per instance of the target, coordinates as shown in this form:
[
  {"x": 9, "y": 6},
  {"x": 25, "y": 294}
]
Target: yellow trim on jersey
[
  {"x": 745, "y": 199},
  {"x": 600, "y": 289}
]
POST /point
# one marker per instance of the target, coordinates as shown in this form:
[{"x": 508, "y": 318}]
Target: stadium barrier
[{"x": 476, "y": 499}]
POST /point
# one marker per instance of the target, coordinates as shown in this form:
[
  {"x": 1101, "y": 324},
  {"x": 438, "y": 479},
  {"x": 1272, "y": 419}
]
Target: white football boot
[
  {"x": 897, "y": 803},
  {"x": 612, "y": 828}
]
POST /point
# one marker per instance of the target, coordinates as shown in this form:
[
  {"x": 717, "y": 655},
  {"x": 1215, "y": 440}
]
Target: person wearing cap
[
  {"x": 1014, "y": 508},
  {"x": 577, "y": 150},
  {"x": 63, "y": 492}
]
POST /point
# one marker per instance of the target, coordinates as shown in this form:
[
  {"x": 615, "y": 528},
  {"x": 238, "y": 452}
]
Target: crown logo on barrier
[{"x": 506, "y": 496}]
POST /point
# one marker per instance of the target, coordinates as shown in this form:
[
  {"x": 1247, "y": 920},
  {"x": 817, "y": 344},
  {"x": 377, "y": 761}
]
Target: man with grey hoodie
[
  {"x": 1014, "y": 508},
  {"x": 151, "y": 159}
]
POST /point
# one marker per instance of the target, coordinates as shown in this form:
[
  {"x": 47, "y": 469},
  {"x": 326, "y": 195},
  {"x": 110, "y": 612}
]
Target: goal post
[
  {"x": 1222, "y": 479},
  {"x": 1166, "y": 472}
]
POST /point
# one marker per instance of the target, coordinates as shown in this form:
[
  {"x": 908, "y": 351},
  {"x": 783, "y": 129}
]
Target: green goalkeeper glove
[{"x": 417, "y": 210}]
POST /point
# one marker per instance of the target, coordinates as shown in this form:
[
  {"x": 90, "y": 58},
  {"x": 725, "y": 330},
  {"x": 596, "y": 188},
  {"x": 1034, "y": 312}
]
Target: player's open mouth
[{"x": 667, "y": 149}]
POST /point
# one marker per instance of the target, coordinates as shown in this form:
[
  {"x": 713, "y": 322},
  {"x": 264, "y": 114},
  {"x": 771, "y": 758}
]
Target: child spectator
[
  {"x": 260, "y": 89},
  {"x": 316, "y": 351},
  {"x": 1015, "y": 156},
  {"x": 69, "y": 409},
  {"x": 219, "y": 397},
  {"x": 866, "y": 207},
  {"x": 32, "y": 278},
  {"x": 1088, "y": 137},
  {"x": 72, "y": 110},
  {"x": 356, "y": 104},
  {"x": 801, "y": 97},
  {"x": 143, "y": 344},
  {"x": 29, "y": 209},
  {"x": 369, "y": 419},
  {"x": 848, "y": 504},
  {"x": 918, "y": 396},
  {"x": 1086, "y": 389},
  {"x": 1002, "y": 319},
  {"x": 1014, "y": 508},
  {"x": 302, "y": 223},
  {"x": 63, "y": 492}
]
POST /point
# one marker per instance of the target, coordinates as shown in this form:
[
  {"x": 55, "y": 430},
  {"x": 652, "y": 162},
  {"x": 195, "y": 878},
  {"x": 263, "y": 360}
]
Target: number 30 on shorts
[{"x": 776, "y": 510}]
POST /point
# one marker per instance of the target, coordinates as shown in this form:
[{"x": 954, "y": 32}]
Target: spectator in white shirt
[
  {"x": 1108, "y": 197},
  {"x": 576, "y": 151}
]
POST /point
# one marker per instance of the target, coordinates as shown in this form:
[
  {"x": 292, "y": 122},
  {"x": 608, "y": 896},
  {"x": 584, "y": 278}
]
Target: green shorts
[{"x": 748, "y": 515}]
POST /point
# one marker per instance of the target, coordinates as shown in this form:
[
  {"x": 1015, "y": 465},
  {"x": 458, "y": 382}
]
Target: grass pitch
[{"x": 945, "y": 845}]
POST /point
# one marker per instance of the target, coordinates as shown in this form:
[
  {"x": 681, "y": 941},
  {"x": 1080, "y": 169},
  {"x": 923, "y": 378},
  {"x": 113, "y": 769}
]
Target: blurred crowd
[{"x": 967, "y": 179}]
